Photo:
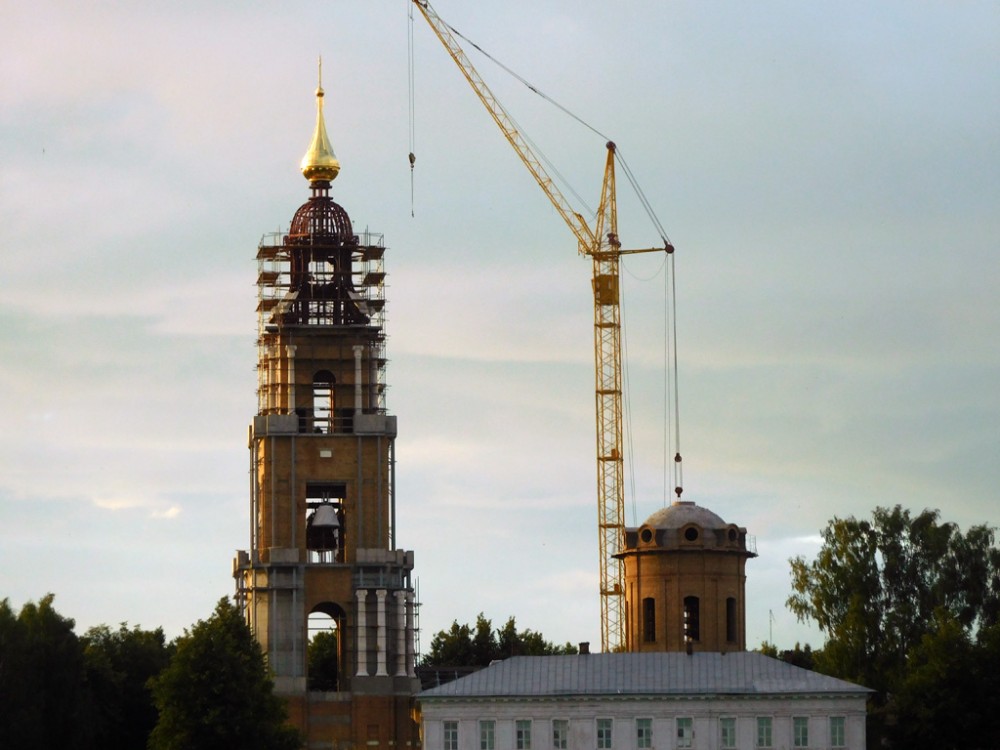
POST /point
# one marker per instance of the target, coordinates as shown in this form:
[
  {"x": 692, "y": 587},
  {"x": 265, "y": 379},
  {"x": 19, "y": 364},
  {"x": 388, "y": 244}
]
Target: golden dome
[{"x": 320, "y": 163}]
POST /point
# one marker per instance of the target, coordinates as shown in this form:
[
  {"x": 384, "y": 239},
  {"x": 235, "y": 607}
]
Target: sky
[{"x": 828, "y": 172}]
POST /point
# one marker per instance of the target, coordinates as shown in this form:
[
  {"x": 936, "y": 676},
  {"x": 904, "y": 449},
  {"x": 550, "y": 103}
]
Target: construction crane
[{"x": 601, "y": 244}]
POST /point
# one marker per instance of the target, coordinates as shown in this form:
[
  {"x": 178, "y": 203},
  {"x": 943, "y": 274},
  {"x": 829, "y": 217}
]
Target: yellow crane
[{"x": 602, "y": 246}]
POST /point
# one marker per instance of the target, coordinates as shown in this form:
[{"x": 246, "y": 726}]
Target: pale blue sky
[{"x": 829, "y": 174}]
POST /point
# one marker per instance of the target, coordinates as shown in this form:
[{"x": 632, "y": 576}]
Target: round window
[
  {"x": 646, "y": 535},
  {"x": 732, "y": 535},
  {"x": 691, "y": 533}
]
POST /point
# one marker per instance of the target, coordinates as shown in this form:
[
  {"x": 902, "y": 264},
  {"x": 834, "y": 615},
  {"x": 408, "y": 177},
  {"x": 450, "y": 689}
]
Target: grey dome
[{"x": 681, "y": 513}]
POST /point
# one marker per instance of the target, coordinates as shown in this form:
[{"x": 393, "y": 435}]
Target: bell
[{"x": 325, "y": 515}]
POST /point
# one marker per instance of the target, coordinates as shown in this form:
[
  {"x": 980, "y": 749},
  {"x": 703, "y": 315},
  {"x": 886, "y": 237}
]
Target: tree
[
  {"x": 323, "y": 661},
  {"x": 874, "y": 587},
  {"x": 799, "y": 656},
  {"x": 216, "y": 693},
  {"x": 465, "y": 646},
  {"x": 119, "y": 665},
  {"x": 902, "y": 600},
  {"x": 940, "y": 684},
  {"x": 42, "y": 686},
  {"x": 18, "y": 710}
]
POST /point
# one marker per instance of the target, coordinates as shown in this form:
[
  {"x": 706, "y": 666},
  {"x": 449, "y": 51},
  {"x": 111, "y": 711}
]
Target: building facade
[
  {"x": 644, "y": 701},
  {"x": 323, "y": 564}
]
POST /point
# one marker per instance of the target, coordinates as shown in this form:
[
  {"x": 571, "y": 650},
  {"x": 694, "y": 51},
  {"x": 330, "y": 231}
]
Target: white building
[{"x": 644, "y": 701}]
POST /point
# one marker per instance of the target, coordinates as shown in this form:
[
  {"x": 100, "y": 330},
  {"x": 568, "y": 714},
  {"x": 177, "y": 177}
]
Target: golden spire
[{"x": 320, "y": 163}]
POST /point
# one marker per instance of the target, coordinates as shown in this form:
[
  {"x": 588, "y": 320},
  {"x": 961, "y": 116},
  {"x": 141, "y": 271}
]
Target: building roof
[
  {"x": 641, "y": 674},
  {"x": 680, "y": 513}
]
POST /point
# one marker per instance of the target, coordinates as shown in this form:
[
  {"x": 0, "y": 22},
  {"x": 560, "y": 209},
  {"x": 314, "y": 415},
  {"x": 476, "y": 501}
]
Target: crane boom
[
  {"x": 573, "y": 220},
  {"x": 603, "y": 247}
]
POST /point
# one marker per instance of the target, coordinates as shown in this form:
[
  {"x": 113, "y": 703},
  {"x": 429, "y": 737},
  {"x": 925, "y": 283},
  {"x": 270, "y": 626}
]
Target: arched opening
[
  {"x": 649, "y": 619},
  {"x": 325, "y": 521},
  {"x": 323, "y": 402},
  {"x": 691, "y": 617},
  {"x": 326, "y": 647},
  {"x": 731, "y": 619}
]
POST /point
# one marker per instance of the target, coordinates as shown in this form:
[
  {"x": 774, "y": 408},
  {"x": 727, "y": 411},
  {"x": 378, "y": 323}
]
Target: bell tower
[{"x": 322, "y": 503}]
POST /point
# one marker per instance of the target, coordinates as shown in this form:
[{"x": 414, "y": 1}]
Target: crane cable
[
  {"x": 629, "y": 175},
  {"x": 412, "y": 101},
  {"x": 672, "y": 396}
]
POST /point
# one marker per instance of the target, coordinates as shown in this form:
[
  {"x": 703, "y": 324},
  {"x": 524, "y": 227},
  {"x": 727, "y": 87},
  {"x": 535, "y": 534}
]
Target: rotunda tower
[{"x": 685, "y": 581}]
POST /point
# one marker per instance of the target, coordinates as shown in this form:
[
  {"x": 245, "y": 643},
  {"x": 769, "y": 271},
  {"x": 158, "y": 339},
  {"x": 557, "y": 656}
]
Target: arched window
[
  {"x": 323, "y": 401},
  {"x": 691, "y": 615},
  {"x": 325, "y": 649},
  {"x": 649, "y": 619},
  {"x": 731, "y": 619}
]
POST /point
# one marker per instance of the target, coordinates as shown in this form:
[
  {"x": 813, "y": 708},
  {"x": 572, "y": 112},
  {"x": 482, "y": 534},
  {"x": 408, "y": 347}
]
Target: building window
[
  {"x": 450, "y": 735},
  {"x": 649, "y": 619},
  {"x": 685, "y": 731},
  {"x": 322, "y": 404},
  {"x": 731, "y": 620},
  {"x": 560, "y": 730},
  {"x": 800, "y": 731},
  {"x": 691, "y": 612},
  {"x": 838, "y": 733},
  {"x": 604, "y": 734},
  {"x": 727, "y": 733},
  {"x": 487, "y": 734},
  {"x": 643, "y": 733},
  {"x": 522, "y": 732},
  {"x": 763, "y": 731}
]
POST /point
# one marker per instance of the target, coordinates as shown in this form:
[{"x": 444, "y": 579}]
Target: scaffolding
[{"x": 300, "y": 282}]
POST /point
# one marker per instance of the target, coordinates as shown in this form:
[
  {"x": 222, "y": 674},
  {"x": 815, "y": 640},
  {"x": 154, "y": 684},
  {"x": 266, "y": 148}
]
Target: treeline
[
  {"x": 910, "y": 607},
  {"x": 478, "y": 645},
  {"x": 130, "y": 689}
]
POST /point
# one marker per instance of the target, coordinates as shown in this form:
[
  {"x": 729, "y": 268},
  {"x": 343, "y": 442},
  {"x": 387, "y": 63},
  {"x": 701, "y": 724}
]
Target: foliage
[
  {"x": 323, "y": 661},
  {"x": 911, "y": 608},
  {"x": 874, "y": 587},
  {"x": 950, "y": 695},
  {"x": 119, "y": 666},
  {"x": 216, "y": 693},
  {"x": 467, "y": 646},
  {"x": 42, "y": 686},
  {"x": 800, "y": 656}
]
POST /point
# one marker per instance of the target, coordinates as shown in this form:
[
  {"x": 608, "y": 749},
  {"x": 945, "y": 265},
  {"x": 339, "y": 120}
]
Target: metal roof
[{"x": 642, "y": 674}]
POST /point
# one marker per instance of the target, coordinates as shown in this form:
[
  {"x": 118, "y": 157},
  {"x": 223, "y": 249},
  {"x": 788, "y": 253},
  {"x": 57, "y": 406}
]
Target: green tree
[
  {"x": 467, "y": 646},
  {"x": 216, "y": 693},
  {"x": 800, "y": 656},
  {"x": 874, "y": 587},
  {"x": 451, "y": 648},
  {"x": 938, "y": 695},
  {"x": 323, "y": 661},
  {"x": 119, "y": 666},
  {"x": 42, "y": 684},
  {"x": 893, "y": 596},
  {"x": 19, "y": 711}
]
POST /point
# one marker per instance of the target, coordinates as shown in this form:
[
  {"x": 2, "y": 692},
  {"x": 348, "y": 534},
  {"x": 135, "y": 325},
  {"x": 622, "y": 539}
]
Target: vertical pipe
[
  {"x": 269, "y": 396},
  {"x": 401, "y": 654},
  {"x": 380, "y": 642},
  {"x": 290, "y": 406},
  {"x": 362, "y": 656},
  {"x": 358, "y": 349},
  {"x": 410, "y": 640},
  {"x": 392, "y": 493}
]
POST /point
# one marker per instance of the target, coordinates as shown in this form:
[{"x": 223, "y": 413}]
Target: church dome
[{"x": 681, "y": 513}]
